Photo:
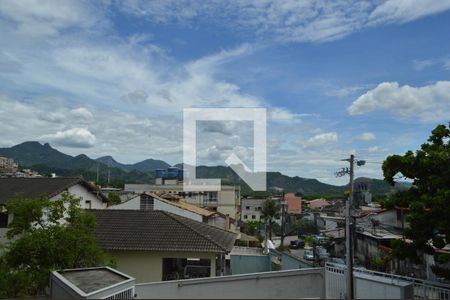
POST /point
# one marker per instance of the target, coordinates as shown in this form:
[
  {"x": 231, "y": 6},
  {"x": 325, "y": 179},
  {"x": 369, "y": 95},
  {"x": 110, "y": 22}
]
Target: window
[
  {"x": 3, "y": 220},
  {"x": 211, "y": 196},
  {"x": 88, "y": 204},
  {"x": 253, "y": 217},
  {"x": 245, "y": 216},
  {"x": 146, "y": 203},
  {"x": 258, "y": 208},
  {"x": 185, "y": 268},
  {"x": 247, "y": 207}
]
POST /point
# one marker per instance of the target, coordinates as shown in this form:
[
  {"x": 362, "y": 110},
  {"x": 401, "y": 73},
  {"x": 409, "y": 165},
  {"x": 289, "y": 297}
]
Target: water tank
[
  {"x": 160, "y": 173},
  {"x": 172, "y": 172}
]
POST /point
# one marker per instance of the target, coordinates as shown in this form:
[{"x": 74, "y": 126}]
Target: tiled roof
[
  {"x": 148, "y": 230},
  {"x": 182, "y": 204},
  {"x": 38, "y": 186}
]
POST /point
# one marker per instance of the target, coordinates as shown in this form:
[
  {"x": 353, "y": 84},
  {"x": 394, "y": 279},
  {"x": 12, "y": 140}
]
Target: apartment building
[{"x": 8, "y": 165}]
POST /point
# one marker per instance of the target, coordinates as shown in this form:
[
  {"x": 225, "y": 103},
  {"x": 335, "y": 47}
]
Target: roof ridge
[
  {"x": 172, "y": 216},
  {"x": 75, "y": 180}
]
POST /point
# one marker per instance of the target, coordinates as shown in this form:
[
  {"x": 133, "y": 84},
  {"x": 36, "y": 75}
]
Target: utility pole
[
  {"x": 348, "y": 233},
  {"x": 348, "y": 223},
  {"x": 282, "y": 219}
]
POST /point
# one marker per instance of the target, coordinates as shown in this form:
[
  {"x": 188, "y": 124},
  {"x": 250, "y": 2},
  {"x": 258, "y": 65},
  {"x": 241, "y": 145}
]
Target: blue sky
[{"x": 336, "y": 77}]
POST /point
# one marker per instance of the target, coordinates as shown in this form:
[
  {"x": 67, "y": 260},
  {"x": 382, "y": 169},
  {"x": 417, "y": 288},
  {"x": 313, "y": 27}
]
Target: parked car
[
  {"x": 297, "y": 244},
  {"x": 320, "y": 240},
  {"x": 322, "y": 253},
  {"x": 308, "y": 255},
  {"x": 336, "y": 260}
]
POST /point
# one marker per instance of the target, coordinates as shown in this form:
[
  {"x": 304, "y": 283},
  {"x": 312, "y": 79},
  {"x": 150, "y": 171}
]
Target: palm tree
[{"x": 270, "y": 210}]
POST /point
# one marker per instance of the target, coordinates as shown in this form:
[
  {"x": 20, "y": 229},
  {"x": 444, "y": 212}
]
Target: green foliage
[
  {"x": 114, "y": 199},
  {"x": 270, "y": 210},
  {"x": 429, "y": 197},
  {"x": 306, "y": 226},
  {"x": 380, "y": 263},
  {"x": 283, "y": 248},
  {"x": 309, "y": 240},
  {"x": 48, "y": 235},
  {"x": 251, "y": 228}
]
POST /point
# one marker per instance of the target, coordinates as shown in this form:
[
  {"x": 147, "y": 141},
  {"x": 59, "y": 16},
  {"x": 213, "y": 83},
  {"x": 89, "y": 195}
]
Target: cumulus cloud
[
  {"x": 82, "y": 115},
  {"x": 367, "y": 136},
  {"x": 430, "y": 103},
  {"x": 74, "y": 137},
  {"x": 322, "y": 139}
]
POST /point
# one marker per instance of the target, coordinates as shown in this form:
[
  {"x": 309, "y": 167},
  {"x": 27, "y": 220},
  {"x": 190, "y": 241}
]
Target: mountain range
[{"x": 45, "y": 159}]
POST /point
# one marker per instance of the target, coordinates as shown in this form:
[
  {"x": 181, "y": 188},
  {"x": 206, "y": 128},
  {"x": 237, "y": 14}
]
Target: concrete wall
[
  {"x": 249, "y": 208},
  {"x": 245, "y": 264},
  {"x": 305, "y": 283},
  {"x": 146, "y": 266},
  {"x": 387, "y": 217},
  {"x": 133, "y": 203}
]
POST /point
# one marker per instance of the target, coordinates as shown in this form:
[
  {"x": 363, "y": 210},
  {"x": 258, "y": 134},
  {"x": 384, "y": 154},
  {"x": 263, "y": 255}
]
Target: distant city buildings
[
  {"x": 10, "y": 168},
  {"x": 8, "y": 165}
]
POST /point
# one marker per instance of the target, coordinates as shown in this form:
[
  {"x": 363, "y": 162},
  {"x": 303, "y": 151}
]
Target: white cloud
[
  {"x": 82, "y": 115},
  {"x": 447, "y": 64},
  {"x": 423, "y": 64},
  {"x": 372, "y": 149},
  {"x": 401, "y": 11},
  {"x": 74, "y": 137},
  {"x": 367, "y": 136},
  {"x": 430, "y": 103},
  {"x": 281, "y": 114},
  {"x": 47, "y": 18},
  {"x": 322, "y": 139},
  {"x": 288, "y": 20}
]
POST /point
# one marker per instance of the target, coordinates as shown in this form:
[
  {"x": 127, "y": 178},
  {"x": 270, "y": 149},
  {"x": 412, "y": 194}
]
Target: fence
[{"x": 422, "y": 289}]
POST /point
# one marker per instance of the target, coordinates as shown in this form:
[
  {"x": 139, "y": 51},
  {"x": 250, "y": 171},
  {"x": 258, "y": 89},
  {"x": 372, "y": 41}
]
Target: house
[
  {"x": 53, "y": 188},
  {"x": 318, "y": 204},
  {"x": 157, "y": 245},
  {"x": 251, "y": 209},
  {"x": 226, "y": 199},
  {"x": 294, "y": 204},
  {"x": 176, "y": 205}
]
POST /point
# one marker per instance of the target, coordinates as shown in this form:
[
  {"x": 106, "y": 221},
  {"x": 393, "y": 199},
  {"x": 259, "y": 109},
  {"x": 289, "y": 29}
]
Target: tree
[
  {"x": 45, "y": 236},
  {"x": 114, "y": 198},
  {"x": 428, "y": 199},
  {"x": 251, "y": 228},
  {"x": 270, "y": 211},
  {"x": 306, "y": 226}
]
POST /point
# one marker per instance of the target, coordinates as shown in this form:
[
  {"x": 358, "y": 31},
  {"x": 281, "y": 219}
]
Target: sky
[{"x": 370, "y": 78}]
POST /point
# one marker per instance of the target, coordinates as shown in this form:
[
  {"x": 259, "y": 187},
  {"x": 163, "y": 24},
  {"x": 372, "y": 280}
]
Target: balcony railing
[{"x": 423, "y": 289}]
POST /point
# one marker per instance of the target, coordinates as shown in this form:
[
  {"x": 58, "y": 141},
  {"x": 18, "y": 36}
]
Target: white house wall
[
  {"x": 133, "y": 203},
  {"x": 160, "y": 205}
]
